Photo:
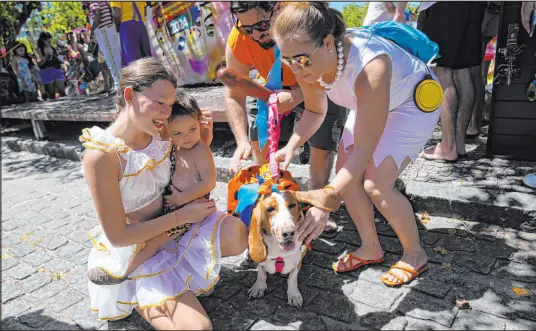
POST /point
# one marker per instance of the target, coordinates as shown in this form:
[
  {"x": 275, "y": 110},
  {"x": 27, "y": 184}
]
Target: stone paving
[
  {"x": 46, "y": 210},
  {"x": 477, "y": 170}
]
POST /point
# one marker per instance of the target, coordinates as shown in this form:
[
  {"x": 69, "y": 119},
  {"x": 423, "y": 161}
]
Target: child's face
[
  {"x": 20, "y": 51},
  {"x": 185, "y": 131}
]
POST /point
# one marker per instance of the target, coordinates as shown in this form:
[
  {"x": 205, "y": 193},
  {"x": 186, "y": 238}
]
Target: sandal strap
[
  {"x": 404, "y": 268},
  {"x": 395, "y": 275}
]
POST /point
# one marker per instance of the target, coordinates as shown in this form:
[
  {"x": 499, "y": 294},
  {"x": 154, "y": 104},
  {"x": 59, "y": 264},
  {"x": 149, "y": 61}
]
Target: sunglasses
[
  {"x": 259, "y": 26},
  {"x": 301, "y": 60}
]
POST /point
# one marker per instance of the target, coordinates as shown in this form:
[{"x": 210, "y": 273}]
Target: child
[
  {"x": 193, "y": 176},
  {"x": 22, "y": 65}
]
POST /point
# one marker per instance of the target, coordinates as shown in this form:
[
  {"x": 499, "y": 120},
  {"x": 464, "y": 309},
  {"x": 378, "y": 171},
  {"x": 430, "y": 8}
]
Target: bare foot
[
  {"x": 437, "y": 153},
  {"x": 413, "y": 261},
  {"x": 367, "y": 253}
]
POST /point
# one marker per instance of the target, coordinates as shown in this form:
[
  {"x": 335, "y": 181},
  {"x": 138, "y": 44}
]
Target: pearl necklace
[{"x": 340, "y": 67}]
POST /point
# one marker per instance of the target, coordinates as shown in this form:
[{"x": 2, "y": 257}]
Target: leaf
[
  {"x": 463, "y": 304},
  {"x": 425, "y": 218},
  {"x": 439, "y": 249},
  {"x": 522, "y": 292},
  {"x": 451, "y": 231},
  {"x": 445, "y": 265}
]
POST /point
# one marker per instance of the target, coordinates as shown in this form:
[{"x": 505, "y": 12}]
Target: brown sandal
[
  {"x": 410, "y": 273},
  {"x": 100, "y": 277}
]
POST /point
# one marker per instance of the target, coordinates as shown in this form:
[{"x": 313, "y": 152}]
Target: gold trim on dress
[
  {"x": 151, "y": 164},
  {"x": 212, "y": 253}
]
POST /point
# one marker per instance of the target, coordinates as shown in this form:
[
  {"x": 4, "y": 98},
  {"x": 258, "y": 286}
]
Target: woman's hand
[
  {"x": 284, "y": 155},
  {"x": 313, "y": 225},
  {"x": 196, "y": 211},
  {"x": 207, "y": 126}
]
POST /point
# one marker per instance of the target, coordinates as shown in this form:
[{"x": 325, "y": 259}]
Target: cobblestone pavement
[
  {"x": 46, "y": 210},
  {"x": 476, "y": 170}
]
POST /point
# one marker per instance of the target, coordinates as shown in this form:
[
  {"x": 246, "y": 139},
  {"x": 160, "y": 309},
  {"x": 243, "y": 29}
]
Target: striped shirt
[{"x": 105, "y": 11}]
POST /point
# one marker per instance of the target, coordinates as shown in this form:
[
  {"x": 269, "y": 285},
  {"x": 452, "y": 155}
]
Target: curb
[{"x": 508, "y": 209}]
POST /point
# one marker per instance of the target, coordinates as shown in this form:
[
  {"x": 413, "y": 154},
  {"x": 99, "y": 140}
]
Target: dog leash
[{"x": 274, "y": 131}]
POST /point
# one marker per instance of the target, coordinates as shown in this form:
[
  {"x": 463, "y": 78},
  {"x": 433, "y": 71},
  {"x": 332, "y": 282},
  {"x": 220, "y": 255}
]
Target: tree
[
  {"x": 13, "y": 15},
  {"x": 63, "y": 16},
  {"x": 354, "y": 14}
]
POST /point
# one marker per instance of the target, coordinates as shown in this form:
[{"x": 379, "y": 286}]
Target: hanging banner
[{"x": 189, "y": 37}]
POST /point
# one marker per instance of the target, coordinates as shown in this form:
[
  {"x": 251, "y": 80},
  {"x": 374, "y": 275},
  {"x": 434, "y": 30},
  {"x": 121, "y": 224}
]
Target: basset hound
[
  {"x": 273, "y": 242},
  {"x": 272, "y": 210}
]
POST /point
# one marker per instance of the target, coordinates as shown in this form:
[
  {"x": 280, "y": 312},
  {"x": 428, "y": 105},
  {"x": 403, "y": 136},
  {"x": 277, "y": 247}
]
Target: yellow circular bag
[{"x": 428, "y": 95}]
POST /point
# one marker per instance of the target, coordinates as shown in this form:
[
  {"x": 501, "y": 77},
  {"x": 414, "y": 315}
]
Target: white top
[
  {"x": 408, "y": 70},
  {"x": 147, "y": 171},
  {"x": 376, "y": 13}
]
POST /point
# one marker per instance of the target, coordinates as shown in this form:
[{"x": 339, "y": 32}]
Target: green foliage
[
  {"x": 354, "y": 14},
  {"x": 61, "y": 17},
  {"x": 13, "y": 15}
]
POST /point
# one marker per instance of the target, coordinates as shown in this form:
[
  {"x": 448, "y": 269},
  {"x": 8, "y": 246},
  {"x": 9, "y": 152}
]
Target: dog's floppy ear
[
  {"x": 326, "y": 199},
  {"x": 257, "y": 248}
]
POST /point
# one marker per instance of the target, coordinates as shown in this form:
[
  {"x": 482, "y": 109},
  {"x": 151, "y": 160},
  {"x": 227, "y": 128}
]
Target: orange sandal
[
  {"x": 410, "y": 273},
  {"x": 352, "y": 266}
]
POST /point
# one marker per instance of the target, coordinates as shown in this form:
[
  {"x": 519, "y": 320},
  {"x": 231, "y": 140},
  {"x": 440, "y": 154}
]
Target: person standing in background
[
  {"x": 456, "y": 28},
  {"x": 490, "y": 26},
  {"x": 129, "y": 21},
  {"x": 385, "y": 11},
  {"x": 100, "y": 15}
]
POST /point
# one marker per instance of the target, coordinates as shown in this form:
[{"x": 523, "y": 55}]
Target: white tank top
[{"x": 408, "y": 70}]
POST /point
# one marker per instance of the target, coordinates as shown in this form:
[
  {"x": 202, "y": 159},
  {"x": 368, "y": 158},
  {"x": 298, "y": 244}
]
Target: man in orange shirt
[{"x": 250, "y": 45}]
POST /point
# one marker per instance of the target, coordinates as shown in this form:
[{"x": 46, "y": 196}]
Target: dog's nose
[{"x": 288, "y": 235}]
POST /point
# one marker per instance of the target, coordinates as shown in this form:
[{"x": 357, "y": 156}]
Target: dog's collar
[{"x": 280, "y": 262}]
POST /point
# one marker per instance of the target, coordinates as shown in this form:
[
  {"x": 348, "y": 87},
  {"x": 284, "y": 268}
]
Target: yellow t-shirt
[{"x": 127, "y": 9}]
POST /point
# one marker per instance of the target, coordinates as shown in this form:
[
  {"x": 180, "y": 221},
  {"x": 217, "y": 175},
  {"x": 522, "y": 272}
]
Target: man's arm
[
  {"x": 235, "y": 100},
  {"x": 399, "y": 12},
  {"x": 96, "y": 21},
  {"x": 116, "y": 13}
]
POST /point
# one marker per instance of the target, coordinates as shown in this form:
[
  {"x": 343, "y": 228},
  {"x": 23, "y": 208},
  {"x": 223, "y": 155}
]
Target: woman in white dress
[
  {"x": 127, "y": 166},
  {"x": 385, "y": 130}
]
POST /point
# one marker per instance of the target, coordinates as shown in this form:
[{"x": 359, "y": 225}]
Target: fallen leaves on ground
[
  {"x": 440, "y": 249},
  {"x": 445, "y": 265},
  {"x": 463, "y": 304},
  {"x": 522, "y": 292},
  {"x": 451, "y": 231},
  {"x": 425, "y": 218}
]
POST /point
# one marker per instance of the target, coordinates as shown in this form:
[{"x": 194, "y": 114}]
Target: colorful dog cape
[{"x": 245, "y": 188}]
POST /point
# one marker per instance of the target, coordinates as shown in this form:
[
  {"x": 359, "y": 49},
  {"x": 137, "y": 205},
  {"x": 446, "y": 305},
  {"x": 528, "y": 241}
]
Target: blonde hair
[
  {"x": 141, "y": 74},
  {"x": 313, "y": 19}
]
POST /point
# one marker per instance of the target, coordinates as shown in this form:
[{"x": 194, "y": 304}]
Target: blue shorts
[{"x": 50, "y": 75}]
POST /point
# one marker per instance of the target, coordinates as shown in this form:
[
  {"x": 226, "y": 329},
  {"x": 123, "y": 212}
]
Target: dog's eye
[
  {"x": 292, "y": 205},
  {"x": 270, "y": 209}
]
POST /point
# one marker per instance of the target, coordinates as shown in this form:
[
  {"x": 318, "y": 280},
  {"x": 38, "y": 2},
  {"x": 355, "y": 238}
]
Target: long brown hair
[{"x": 139, "y": 75}]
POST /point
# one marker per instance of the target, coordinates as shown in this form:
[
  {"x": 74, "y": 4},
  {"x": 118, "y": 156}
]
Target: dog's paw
[
  {"x": 257, "y": 290},
  {"x": 295, "y": 298}
]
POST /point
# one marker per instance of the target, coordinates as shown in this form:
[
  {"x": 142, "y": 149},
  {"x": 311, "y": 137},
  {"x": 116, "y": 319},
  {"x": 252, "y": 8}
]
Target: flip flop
[
  {"x": 410, "y": 273},
  {"x": 348, "y": 263}
]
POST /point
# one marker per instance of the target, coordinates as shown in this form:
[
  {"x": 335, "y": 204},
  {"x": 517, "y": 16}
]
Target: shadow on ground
[{"x": 469, "y": 261}]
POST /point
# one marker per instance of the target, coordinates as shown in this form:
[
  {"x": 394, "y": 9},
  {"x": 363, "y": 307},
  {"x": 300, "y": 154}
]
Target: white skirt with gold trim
[{"x": 191, "y": 262}]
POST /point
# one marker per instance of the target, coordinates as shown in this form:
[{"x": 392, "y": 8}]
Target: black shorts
[
  {"x": 326, "y": 138},
  {"x": 457, "y": 28}
]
